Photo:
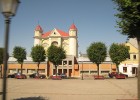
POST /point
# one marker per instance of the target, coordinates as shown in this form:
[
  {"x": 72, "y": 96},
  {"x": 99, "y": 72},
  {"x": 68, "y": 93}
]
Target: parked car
[
  {"x": 63, "y": 75},
  {"x": 117, "y": 75},
  {"x": 59, "y": 76},
  {"x": 20, "y": 76},
  {"x": 12, "y": 75},
  {"x": 37, "y": 75},
  {"x": 54, "y": 77},
  {"x": 121, "y": 76}
]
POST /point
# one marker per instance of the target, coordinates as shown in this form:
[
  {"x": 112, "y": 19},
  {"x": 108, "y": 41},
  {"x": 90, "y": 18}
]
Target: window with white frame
[{"x": 124, "y": 69}]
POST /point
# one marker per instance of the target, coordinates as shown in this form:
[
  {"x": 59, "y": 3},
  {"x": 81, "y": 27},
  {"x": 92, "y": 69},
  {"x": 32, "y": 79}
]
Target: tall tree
[
  {"x": 118, "y": 53},
  {"x": 128, "y": 17},
  {"x": 56, "y": 55},
  {"x": 129, "y": 23},
  {"x": 97, "y": 53},
  {"x": 20, "y": 54},
  {"x": 38, "y": 54},
  {"x": 1, "y": 60}
]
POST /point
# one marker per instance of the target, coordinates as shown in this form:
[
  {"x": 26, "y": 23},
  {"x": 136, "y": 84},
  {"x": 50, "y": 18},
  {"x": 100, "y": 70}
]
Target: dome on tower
[
  {"x": 73, "y": 27},
  {"x": 38, "y": 28}
]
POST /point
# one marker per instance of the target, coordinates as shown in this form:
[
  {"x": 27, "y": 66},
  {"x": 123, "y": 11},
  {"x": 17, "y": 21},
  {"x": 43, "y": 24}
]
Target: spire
[{"x": 73, "y": 27}]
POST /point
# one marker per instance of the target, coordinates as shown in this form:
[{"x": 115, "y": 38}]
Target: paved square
[{"x": 71, "y": 89}]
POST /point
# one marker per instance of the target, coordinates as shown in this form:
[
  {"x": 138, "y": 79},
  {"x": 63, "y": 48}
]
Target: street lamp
[
  {"x": 80, "y": 55},
  {"x": 8, "y": 9}
]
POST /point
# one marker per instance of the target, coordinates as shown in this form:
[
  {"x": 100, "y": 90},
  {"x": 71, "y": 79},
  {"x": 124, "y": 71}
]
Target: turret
[
  {"x": 73, "y": 43},
  {"x": 73, "y": 30},
  {"x": 37, "y": 35}
]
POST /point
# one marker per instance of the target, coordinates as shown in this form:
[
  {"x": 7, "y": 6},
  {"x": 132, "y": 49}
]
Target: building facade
[
  {"x": 67, "y": 40},
  {"x": 130, "y": 66},
  {"x": 73, "y": 65}
]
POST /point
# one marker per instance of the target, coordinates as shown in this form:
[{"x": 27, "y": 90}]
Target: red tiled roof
[
  {"x": 46, "y": 34},
  {"x": 38, "y": 28},
  {"x": 62, "y": 33},
  {"x": 73, "y": 27}
]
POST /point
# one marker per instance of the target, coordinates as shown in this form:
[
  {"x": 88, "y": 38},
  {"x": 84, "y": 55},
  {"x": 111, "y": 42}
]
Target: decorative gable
[{"x": 55, "y": 32}]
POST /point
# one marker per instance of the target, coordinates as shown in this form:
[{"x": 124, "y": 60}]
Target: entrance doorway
[
  {"x": 134, "y": 71},
  {"x": 70, "y": 72}
]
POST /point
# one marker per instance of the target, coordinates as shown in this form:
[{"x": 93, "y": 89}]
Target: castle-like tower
[
  {"x": 73, "y": 43},
  {"x": 59, "y": 38},
  {"x": 37, "y": 35}
]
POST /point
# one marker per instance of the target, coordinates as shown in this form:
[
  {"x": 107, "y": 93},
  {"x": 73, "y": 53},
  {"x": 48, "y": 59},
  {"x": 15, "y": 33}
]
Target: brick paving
[{"x": 71, "y": 89}]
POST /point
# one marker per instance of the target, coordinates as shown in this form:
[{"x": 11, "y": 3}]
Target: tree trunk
[
  {"x": 138, "y": 40},
  {"x": 21, "y": 67},
  {"x": 118, "y": 68},
  {"x": 38, "y": 66},
  {"x": 56, "y": 70},
  {"x": 98, "y": 68}
]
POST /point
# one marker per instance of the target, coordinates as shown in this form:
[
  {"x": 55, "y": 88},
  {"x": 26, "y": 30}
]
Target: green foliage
[
  {"x": 128, "y": 17},
  {"x": 1, "y": 56},
  {"x": 97, "y": 52},
  {"x": 38, "y": 53},
  {"x": 19, "y": 53},
  {"x": 55, "y": 54},
  {"x": 118, "y": 53}
]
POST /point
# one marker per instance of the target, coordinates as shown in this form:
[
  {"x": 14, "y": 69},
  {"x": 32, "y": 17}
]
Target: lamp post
[
  {"x": 8, "y": 9},
  {"x": 80, "y": 54},
  {"x": 82, "y": 69}
]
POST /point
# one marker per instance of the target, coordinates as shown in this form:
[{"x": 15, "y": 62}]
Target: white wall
[{"x": 129, "y": 69}]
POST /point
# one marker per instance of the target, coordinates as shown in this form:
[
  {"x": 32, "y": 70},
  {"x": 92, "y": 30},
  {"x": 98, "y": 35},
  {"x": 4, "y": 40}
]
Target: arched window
[{"x": 55, "y": 43}]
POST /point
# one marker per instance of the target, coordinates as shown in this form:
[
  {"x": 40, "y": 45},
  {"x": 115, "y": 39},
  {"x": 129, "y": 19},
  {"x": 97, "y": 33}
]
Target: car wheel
[{"x": 41, "y": 77}]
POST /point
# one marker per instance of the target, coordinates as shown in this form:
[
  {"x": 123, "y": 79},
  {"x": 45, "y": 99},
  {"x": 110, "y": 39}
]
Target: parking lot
[{"x": 71, "y": 89}]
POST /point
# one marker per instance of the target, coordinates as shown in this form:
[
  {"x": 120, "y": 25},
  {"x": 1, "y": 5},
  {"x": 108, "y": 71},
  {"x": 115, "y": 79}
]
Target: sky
[{"x": 94, "y": 20}]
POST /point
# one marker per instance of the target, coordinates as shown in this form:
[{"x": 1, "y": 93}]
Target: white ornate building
[{"x": 67, "y": 40}]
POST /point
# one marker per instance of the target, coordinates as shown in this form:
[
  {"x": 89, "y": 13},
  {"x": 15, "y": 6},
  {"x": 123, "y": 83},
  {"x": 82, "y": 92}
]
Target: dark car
[
  {"x": 12, "y": 75},
  {"x": 117, "y": 75},
  {"x": 63, "y": 75},
  {"x": 20, "y": 76},
  {"x": 37, "y": 75}
]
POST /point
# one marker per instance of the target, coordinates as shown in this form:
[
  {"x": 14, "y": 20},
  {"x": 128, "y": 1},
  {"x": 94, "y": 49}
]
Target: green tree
[
  {"x": 118, "y": 53},
  {"x": 1, "y": 60},
  {"x": 97, "y": 52},
  {"x": 129, "y": 23},
  {"x": 56, "y": 55},
  {"x": 38, "y": 54},
  {"x": 128, "y": 17},
  {"x": 20, "y": 54}
]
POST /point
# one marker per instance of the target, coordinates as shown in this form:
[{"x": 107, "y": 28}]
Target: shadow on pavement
[{"x": 32, "y": 98}]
